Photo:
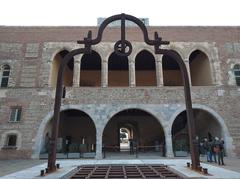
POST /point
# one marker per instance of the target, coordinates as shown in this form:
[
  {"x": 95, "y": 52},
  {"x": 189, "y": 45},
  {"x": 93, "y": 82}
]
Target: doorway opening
[{"x": 131, "y": 131}]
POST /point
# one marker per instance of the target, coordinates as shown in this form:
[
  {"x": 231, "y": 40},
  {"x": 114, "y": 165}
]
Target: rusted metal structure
[
  {"x": 123, "y": 48},
  {"x": 125, "y": 171}
]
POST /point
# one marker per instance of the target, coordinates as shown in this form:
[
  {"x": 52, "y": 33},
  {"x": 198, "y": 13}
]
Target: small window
[
  {"x": 5, "y": 72},
  {"x": 15, "y": 114},
  {"x": 236, "y": 71},
  {"x": 11, "y": 140}
]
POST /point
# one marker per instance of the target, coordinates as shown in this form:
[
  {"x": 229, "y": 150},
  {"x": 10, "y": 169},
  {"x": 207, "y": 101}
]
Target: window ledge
[
  {"x": 9, "y": 147},
  {"x": 14, "y": 121}
]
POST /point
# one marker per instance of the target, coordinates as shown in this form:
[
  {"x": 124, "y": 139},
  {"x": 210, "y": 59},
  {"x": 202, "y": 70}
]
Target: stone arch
[
  {"x": 68, "y": 71},
  {"x": 38, "y": 141},
  {"x": 177, "y": 49},
  {"x": 145, "y": 69},
  {"x": 200, "y": 68},
  {"x": 126, "y": 117},
  {"x": 137, "y": 50},
  {"x": 15, "y": 132},
  {"x": 226, "y": 135},
  {"x": 57, "y": 50},
  {"x": 201, "y": 48},
  {"x": 114, "y": 111}
]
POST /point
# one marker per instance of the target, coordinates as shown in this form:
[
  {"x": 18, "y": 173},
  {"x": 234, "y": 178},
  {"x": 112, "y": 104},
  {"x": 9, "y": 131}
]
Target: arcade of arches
[
  {"x": 145, "y": 70},
  {"x": 77, "y": 133}
]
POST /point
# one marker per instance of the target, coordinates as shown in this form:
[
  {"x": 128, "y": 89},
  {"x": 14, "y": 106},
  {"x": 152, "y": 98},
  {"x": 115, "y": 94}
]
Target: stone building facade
[{"x": 142, "y": 93}]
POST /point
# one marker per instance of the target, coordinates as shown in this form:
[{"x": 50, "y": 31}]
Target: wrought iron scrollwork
[{"x": 123, "y": 47}]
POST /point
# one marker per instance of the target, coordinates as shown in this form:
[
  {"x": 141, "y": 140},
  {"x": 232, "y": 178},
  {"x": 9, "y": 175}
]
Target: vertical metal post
[
  {"x": 57, "y": 105},
  {"x": 190, "y": 119}
]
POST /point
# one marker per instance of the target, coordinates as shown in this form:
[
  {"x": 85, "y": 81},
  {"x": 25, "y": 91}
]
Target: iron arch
[{"x": 120, "y": 48}]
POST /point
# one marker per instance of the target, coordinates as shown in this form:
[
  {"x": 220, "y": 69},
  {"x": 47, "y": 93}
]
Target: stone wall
[{"x": 30, "y": 51}]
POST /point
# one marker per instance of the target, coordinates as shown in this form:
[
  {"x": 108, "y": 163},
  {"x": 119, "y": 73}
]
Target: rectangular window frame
[
  {"x": 237, "y": 76},
  {"x": 8, "y": 140},
  {"x": 15, "y": 115}
]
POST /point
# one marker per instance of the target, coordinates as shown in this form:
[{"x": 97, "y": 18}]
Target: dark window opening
[
  {"x": 5, "y": 76},
  {"x": 200, "y": 69},
  {"x": 171, "y": 72},
  {"x": 15, "y": 114},
  {"x": 117, "y": 70},
  {"x": 145, "y": 69},
  {"x": 236, "y": 70},
  {"x": 90, "y": 70}
]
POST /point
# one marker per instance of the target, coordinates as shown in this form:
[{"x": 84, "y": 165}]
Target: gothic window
[
  {"x": 15, "y": 114},
  {"x": 4, "y": 74},
  {"x": 236, "y": 71}
]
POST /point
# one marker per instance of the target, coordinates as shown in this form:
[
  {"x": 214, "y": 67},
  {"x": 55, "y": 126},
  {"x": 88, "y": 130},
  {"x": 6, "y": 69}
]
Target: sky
[{"x": 86, "y": 12}]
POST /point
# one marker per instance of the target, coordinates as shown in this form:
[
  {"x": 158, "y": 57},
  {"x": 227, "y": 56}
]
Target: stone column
[
  {"x": 132, "y": 78},
  {"x": 104, "y": 73},
  {"x": 99, "y": 143},
  {"x": 76, "y": 71},
  {"x": 186, "y": 61},
  {"x": 169, "y": 148},
  {"x": 159, "y": 70}
]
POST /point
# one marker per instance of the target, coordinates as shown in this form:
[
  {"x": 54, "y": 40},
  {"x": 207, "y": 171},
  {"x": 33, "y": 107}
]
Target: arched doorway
[
  {"x": 90, "y": 69},
  {"x": 207, "y": 126},
  {"x": 68, "y": 70},
  {"x": 145, "y": 133},
  {"x": 76, "y": 137},
  {"x": 200, "y": 69},
  {"x": 145, "y": 69}
]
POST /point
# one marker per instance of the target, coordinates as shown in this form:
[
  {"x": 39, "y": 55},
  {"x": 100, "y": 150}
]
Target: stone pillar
[
  {"x": 98, "y": 143},
  {"x": 186, "y": 61},
  {"x": 159, "y": 70},
  {"x": 104, "y": 73},
  {"x": 169, "y": 148},
  {"x": 76, "y": 71},
  {"x": 132, "y": 78}
]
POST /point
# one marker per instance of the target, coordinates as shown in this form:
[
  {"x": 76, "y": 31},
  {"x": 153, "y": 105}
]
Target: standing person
[
  {"x": 207, "y": 149},
  {"x": 221, "y": 152},
  {"x": 214, "y": 149}
]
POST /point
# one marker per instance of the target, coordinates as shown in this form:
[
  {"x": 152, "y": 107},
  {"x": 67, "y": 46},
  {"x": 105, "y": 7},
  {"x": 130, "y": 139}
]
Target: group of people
[{"x": 214, "y": 149}]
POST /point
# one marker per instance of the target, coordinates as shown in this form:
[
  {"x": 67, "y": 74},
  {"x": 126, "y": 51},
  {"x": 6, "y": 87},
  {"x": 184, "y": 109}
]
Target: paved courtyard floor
[{"x": 26, "y": 169}]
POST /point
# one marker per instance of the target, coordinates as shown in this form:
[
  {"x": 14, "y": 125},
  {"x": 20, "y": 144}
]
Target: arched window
[
  {"x": 68, "y": 70},
  {"x": 90, "y": 70},
  {"x": 200, "y": 69},
  {"x": 117, "y": 70},
  {"x": 4, "y": 74},
  {"x": 145, "y": 69},
  {"x": 236, "y": 70},
  {"x": 171, "y": 72}
]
